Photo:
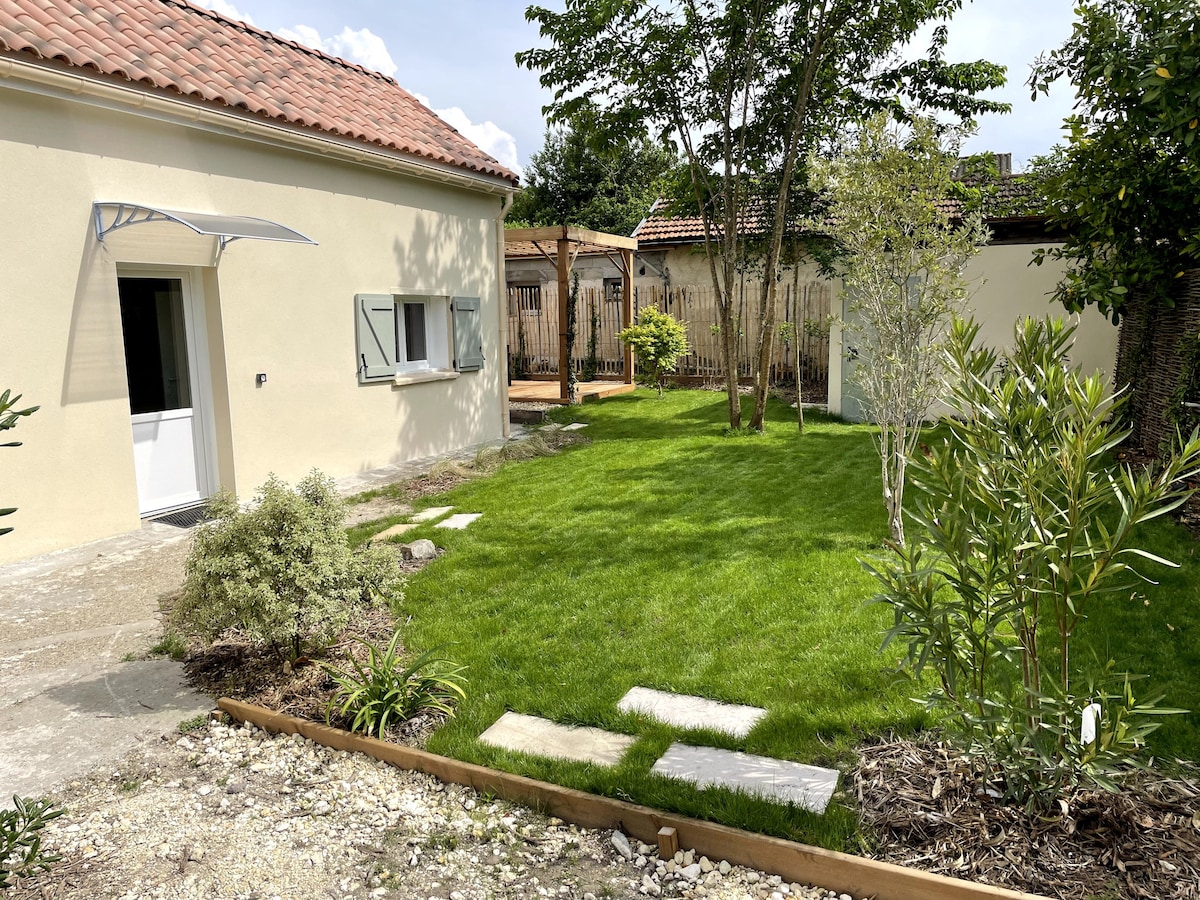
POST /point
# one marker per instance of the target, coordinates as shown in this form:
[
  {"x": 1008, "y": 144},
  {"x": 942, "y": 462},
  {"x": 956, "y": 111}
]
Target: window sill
[{"x": 424, "y": 376}]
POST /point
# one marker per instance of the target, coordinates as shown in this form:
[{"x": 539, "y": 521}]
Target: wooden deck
[{"x": 548, "y": 391}]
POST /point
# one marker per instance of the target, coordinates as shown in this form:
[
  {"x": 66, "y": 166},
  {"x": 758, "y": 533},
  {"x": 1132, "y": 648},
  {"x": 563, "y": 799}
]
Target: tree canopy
[
  {"x": 746, "y": 89},
  {"x": 605, "y": 186},
  {"x": 1124, "y": 188}
]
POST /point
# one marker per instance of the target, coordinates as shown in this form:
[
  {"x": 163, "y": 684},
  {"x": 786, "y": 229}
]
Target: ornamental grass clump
[
  {"x": 1022, "y": 524},
  {"x": 282, "y": 572},
  {"x": 384, "y": 690}
]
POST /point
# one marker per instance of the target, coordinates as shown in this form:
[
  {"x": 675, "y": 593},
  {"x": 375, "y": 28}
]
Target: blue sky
[{"x": 457, "y": 55}]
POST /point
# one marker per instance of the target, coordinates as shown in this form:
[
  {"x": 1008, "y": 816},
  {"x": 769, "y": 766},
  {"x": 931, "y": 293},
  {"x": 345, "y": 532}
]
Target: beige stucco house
[{"x": 224, "y": 255}]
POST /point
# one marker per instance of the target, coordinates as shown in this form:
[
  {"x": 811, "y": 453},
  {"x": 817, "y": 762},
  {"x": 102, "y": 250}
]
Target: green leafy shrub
[
  {"x": 384, "y": 690},
  {"x": 8, "y": 420},
  {"x": 282, "y": 571},
  {"x": 1023, "y": 523},
  {"x": 21, "y": 854},
  {"x": 658, "y": 341}
]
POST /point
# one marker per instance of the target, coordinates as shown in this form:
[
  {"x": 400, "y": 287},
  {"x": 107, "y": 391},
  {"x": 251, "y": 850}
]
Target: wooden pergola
[{"x": 561, "y": 244}]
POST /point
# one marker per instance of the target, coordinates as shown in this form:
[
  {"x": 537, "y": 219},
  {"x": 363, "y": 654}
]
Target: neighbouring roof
[
  {"x": 202, "y": 56},
  {"x": 1009, "y": 199}
]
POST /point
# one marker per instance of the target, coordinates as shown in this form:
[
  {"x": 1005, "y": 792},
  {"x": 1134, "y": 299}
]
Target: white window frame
[{"x": 437, "y": 335}]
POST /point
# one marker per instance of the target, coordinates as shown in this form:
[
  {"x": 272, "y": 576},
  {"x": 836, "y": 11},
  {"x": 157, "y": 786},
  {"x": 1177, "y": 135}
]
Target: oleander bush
[{"x": 21, "y": 853}]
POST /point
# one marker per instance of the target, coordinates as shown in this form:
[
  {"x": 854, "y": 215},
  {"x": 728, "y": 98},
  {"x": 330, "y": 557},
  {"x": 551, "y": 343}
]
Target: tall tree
[
  {"x": 1124, "y": 188},
  {"x": 904, "y": 256},
  {"x": 746, "y": 89},
  {"x": 577, "y": 179}
]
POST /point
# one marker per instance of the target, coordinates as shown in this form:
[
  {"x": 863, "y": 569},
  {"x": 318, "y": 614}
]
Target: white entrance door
[{"x": 161, "y": 354}]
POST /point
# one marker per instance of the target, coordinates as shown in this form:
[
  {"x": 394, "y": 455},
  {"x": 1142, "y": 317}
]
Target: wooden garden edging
[{"x": 794, "y": 862}]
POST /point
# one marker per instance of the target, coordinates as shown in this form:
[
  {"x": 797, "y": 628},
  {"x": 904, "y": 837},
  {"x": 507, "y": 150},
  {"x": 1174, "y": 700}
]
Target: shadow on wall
[
  {"x": 94, "y": 367},
  {"x": 455, "y": 255}
]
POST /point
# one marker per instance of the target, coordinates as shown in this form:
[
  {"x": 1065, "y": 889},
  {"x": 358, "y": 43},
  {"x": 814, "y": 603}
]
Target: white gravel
[{"x": 233, "y": 812}]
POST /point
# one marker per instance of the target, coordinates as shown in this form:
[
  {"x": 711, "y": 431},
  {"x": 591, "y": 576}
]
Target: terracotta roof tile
[
  {"x": 1009, "y": 197},
  {"x": 172, "y": 45}
]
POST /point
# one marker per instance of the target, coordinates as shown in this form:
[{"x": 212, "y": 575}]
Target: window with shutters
[{"x": 403, "y": 337}]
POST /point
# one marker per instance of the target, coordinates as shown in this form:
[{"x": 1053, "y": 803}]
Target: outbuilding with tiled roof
[{"x": 227, "y": 255}]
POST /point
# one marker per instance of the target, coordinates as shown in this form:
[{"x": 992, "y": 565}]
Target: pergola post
[
  {"x": 563, "y": 262},
  {"x": 627, "y": 311}
]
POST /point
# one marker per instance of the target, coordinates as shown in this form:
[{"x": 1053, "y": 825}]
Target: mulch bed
[{"x": 930, "y": 809}]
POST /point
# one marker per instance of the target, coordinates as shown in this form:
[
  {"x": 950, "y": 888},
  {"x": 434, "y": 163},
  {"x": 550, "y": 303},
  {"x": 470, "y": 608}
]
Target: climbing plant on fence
[{"x": 1021, "y": 525}]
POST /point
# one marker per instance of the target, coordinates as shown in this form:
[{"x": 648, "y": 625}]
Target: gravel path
[{"x": 232, "y": 812}]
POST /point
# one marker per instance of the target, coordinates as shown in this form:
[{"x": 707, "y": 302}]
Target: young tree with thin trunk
[
  {"x": 746, "y": 89},
  {"x": 902, "y": 271}
]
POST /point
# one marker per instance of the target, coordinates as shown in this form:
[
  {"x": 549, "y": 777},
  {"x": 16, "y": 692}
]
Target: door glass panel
[{"x": 156, "y": 362}]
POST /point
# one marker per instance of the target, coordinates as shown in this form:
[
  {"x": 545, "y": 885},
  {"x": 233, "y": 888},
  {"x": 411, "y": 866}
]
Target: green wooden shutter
[
  {"x": 468, "y": 334},
  {"x": 375, "y": 320}
]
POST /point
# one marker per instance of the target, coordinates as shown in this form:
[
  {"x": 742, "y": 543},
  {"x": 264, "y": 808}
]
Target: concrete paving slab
[
  {"x": 68, "y": 702},
  {"x": 684, "y": 711},
  {"x": 810, "y": 787},
  {"x": 575, "y": 426},
  {"x": 394, "y": 531},
  {"x": 530, "y": 734},
  {"x": 459, "y": 521},
  {"x": 69, "y": 728},
  {"x": 434, "y": 512}
]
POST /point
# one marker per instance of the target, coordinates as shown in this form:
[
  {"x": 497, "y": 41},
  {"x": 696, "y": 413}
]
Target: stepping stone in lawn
[
  {"x": 684, "y": 711},
  {"x": 810, "y": 787},
  {"x": 575, "y": 426},
  {"x": 434, "y": 512},
  {"x": 394, "y": 531},
  {"x": 529, "y": 734},
  {"x": 458, "y": 521}
]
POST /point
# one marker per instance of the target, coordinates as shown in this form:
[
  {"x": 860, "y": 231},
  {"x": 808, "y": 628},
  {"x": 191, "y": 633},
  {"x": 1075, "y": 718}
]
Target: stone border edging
[{"x": 794, "y": 862}]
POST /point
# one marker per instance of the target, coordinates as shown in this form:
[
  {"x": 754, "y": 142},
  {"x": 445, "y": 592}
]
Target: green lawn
[{"x": 670, "y": 555}]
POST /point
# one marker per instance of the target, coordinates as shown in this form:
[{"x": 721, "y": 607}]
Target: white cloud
[
  {"x": 362, "y": 46},
  {"x": 228, "y": 10},
  {"x": 487, "y": 136}
]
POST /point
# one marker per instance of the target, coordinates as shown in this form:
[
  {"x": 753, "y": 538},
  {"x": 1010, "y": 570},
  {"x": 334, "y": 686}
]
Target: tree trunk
[{"x": 765, "y": 349}]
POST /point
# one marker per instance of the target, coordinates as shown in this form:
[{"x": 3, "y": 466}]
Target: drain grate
[{"x": 184, "y": 518}]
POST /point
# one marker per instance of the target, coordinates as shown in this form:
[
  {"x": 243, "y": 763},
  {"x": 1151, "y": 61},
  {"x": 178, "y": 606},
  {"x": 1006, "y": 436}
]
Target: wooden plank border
[{"x": 794, "y": 862}]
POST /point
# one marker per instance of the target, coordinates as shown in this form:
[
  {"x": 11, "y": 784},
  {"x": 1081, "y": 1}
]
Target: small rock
[
  {"x": 678, "y": 857},
  {"x": 724, "y": 867},
  {"x": 692, "y": 872},
  {"x": 422, "y": 549},
  {"x": 622, "y": 844},
  {"x": 751, "y": 877},
  {"x": 650, "y": 886},
  {"x": 705, "y": 865}
]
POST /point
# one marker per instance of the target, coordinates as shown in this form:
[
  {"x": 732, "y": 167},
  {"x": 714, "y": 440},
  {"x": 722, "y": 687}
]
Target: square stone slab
[
  {"x": 434, "y": 512},
  {"x": 529, "y": 734},
  {"x": 684, "y": 711},
  {"x": 394, "y": 531},
  {"x": 809, "y": 787},
  {"x": 575, "y": 426},
  {"x": 458, "y": 521}
]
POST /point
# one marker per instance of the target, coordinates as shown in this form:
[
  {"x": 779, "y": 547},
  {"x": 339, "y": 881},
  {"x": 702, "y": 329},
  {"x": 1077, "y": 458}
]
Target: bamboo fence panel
[{"x": 802, "y": 314}]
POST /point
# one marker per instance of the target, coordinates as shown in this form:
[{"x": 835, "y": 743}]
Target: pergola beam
[{"x": 569, "y": 242}]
